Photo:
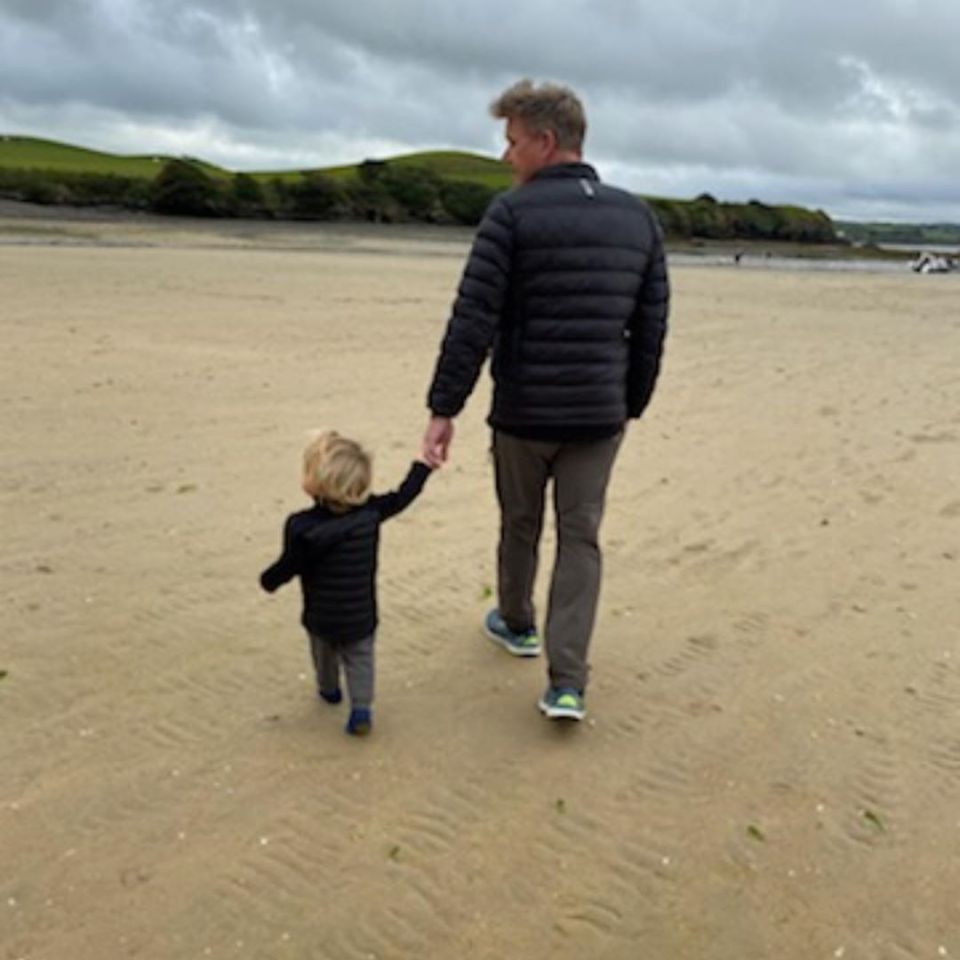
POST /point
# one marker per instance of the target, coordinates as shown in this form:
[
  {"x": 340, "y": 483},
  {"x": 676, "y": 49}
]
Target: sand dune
[{"x": 771, "y": 767}]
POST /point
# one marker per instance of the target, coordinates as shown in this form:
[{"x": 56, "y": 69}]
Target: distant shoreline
[{"x": 35, "y": 224}]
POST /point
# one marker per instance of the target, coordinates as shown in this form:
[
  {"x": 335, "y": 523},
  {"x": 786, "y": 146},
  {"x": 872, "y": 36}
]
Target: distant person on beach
[
  {"x": 566, "y": 286},
  {"x": 332, "y": 547}
]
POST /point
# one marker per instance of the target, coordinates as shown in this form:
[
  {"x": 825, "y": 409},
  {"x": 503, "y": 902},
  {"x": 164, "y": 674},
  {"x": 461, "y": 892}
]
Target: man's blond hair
[
  {"x": 549, "y": 106},
  {"x": 337, "y": 471}
]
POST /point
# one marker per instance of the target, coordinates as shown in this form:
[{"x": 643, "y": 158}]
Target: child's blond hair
[{"x": 337, "y": 471}]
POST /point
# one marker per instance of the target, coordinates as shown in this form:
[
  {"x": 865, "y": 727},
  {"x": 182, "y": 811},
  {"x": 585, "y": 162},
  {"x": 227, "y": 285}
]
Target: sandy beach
[{"x": 771, "y": 763}]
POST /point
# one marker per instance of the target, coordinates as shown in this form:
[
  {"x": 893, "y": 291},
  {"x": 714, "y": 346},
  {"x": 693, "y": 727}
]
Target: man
[{"x": 566, "y": 282}]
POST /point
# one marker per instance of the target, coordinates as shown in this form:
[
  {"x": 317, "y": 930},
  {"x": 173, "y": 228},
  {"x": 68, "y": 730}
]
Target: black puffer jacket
[
  {"x": 335, "y": 556},
  {"x": 567, "y": 282}
]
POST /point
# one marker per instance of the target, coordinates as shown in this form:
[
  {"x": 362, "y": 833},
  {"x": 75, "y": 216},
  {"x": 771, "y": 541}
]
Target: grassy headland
[{"x": 445, "y": 186}]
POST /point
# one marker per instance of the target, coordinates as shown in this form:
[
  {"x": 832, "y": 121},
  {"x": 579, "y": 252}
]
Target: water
[
  {"x": 803, "y": 264},
  {"x": 922, "y": 247}
]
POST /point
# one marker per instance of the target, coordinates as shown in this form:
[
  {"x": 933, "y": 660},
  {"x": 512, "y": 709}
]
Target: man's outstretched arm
[{"x": 471, "y": 329}]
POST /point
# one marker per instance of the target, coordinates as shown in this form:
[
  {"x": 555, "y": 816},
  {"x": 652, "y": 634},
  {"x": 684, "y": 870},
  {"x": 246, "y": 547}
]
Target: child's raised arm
[{"x": 390, "y": 504}]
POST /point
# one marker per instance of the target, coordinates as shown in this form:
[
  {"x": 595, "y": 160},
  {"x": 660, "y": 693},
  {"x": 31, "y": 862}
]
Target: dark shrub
[
  {"x": 181, "y": 187},
  {"x": 369, "y": 200},
  {"x": 416, "y": 189},
  {"x": 318, "y": 196},
  {"x": 371, "y": 170},
  {"x": 246, "y": 196},
  {"x": 466, "y": 202}
]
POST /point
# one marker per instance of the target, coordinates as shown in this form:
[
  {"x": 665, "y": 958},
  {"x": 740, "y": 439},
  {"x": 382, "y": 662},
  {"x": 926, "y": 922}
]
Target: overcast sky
[{"x": 848, "y": 105}]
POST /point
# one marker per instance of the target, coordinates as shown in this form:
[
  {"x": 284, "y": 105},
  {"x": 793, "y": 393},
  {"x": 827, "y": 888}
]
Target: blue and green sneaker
[
  {"x": 525, "y": 643},
  {"x": 562, "y": 703}
]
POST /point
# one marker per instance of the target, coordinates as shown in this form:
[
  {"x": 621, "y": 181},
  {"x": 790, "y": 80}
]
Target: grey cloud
[{"x": 821, "y": 95}]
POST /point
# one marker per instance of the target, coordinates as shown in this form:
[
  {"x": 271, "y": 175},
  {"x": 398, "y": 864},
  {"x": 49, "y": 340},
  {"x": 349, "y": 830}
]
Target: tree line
[
  {"x": 917, "y": 234},
  {"x": 707, "y": 218},
  {"x": 381, "y": 192}
]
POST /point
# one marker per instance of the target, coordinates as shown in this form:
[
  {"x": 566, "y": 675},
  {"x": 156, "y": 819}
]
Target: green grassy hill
[
  {"x": 33, "y": 153},
  {"x": 438, "y": 186},
  {"x": 448, "y": 164},
  {"x": 457, "y": 165}
]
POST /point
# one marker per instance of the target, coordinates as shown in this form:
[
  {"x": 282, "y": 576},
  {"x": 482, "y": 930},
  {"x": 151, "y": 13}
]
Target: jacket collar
[{"x": 578, "y": 171}]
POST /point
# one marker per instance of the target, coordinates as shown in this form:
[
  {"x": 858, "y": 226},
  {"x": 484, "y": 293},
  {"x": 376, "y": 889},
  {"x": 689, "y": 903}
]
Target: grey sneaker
[
  {"x": 562, "y": 703},
  {"x": 523, "y": 644}
]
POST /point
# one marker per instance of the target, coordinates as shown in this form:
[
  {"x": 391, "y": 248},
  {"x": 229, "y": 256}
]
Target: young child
[{"x": 332, "y": 547}]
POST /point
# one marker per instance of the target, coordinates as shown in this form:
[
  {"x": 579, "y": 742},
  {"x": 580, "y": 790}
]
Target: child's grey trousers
[{"x": 357, "y": 660}]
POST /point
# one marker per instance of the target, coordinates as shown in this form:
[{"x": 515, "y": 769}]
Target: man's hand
[{"x": 437, "y": 440}]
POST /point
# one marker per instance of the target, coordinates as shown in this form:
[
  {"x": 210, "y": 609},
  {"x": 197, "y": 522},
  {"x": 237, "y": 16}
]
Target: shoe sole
[
  {"x": 560, "y": 713},
  {"x": 515, "y": 651}
]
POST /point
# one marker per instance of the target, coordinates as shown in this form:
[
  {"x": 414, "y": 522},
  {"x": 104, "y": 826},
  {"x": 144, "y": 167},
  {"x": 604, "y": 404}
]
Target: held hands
[{"x": 436, "y": 441}]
